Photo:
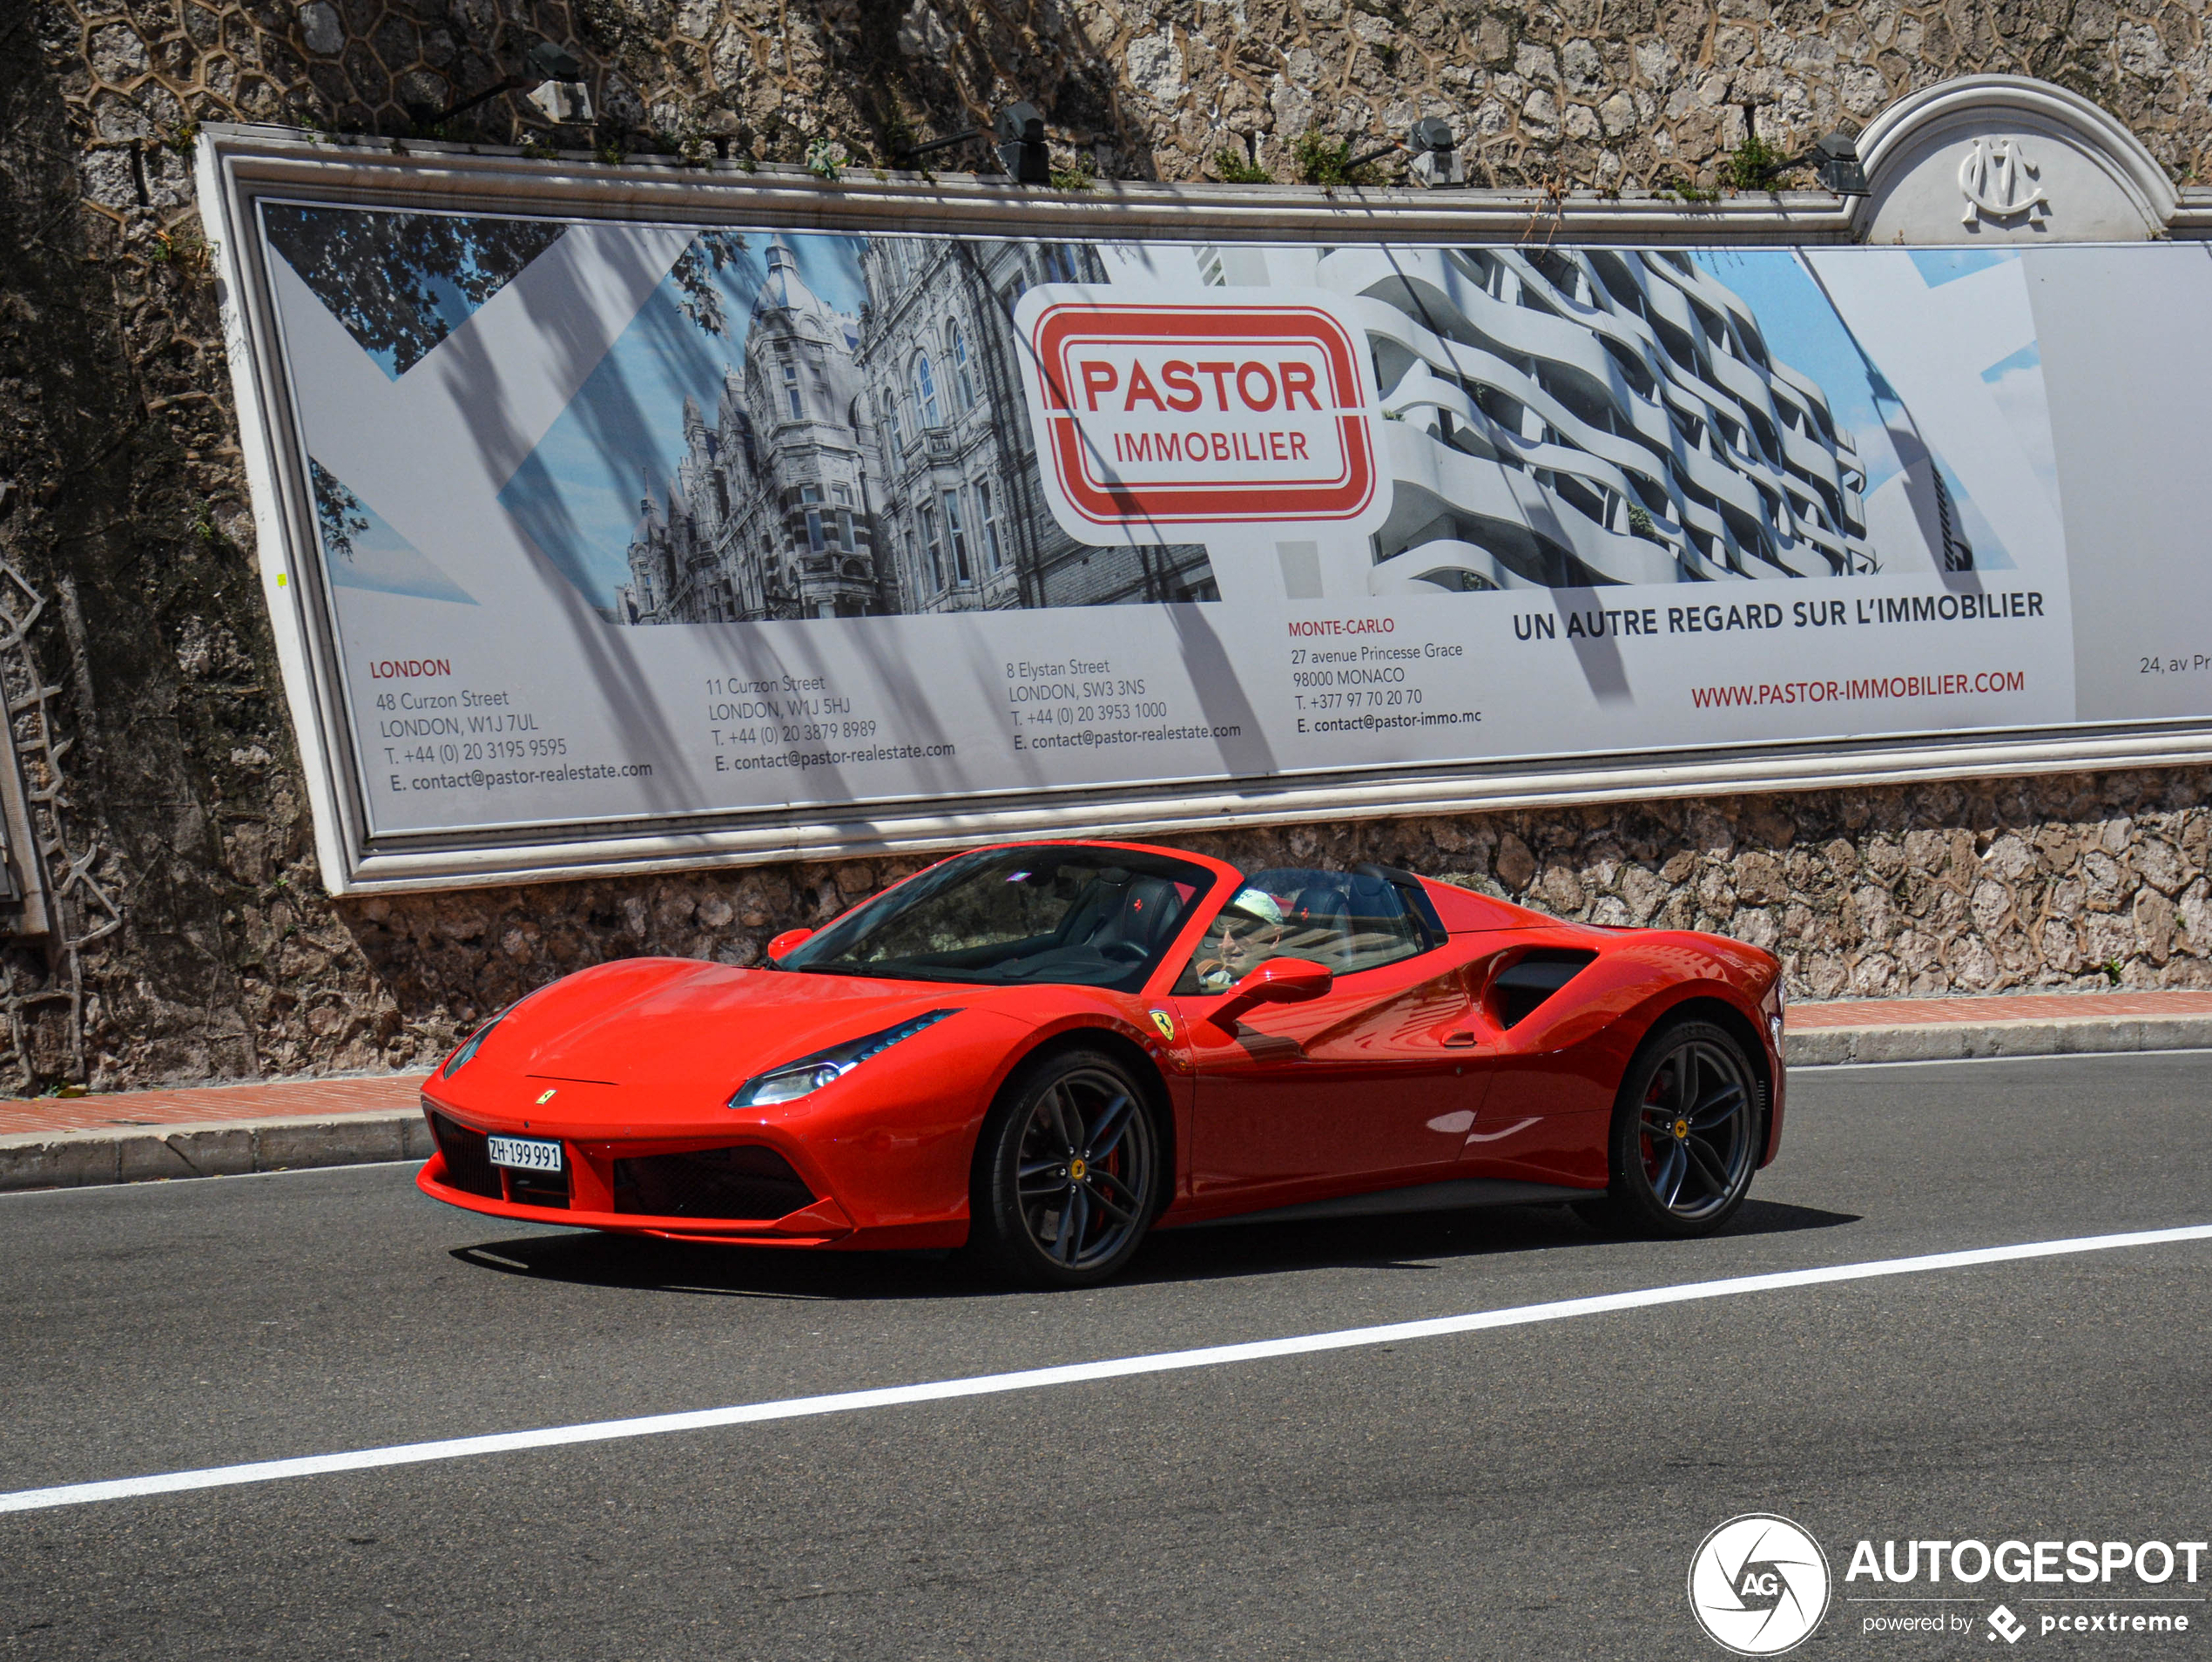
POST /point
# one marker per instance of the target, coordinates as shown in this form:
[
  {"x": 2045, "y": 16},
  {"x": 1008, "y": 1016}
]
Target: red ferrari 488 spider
[{"x": 1044, "y": 1051}]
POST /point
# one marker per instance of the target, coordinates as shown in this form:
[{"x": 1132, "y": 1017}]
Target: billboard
[{"x": 614, "y": 539}]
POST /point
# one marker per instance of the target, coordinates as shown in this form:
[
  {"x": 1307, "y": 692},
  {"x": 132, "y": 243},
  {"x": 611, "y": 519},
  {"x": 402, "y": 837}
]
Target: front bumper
[{"x": 674, "y": 1191}]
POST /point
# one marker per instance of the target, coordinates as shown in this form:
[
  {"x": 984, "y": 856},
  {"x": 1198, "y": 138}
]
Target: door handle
[{"x": 1461, "y": 1039}]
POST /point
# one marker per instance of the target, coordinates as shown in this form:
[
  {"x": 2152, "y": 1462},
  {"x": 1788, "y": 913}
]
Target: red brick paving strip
[
  {"x": 273, "y": 1099},
  {"x": 395, "y": 1092},
  {"x": 2017, "y": 1007}
]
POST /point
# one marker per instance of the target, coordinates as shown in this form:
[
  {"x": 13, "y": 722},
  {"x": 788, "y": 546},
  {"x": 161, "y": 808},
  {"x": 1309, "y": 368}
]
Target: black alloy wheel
[
  {"x": 1686, "y": 1133},
  {"x": 1068, "y": 1173}
]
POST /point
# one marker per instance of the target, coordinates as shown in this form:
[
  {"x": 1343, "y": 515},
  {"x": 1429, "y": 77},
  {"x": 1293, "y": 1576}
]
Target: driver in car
[{"x": 1245, "y": 935}]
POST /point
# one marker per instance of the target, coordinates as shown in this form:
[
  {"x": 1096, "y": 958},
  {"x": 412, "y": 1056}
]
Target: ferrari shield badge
[
  {"x": 1165, "y": 1023},
  {"x": 547, "y": 1097}
]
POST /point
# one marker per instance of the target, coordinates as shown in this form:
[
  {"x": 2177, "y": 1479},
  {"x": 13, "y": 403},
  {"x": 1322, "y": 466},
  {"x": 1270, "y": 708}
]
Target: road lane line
[{"x": 406, "y": 1454}]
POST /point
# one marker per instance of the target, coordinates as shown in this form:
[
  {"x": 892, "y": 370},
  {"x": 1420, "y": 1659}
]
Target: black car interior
[{"x": 1083, "y": 916}]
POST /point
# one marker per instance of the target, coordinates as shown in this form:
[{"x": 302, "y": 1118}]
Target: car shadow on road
[{"x": 1413, "y": 1241}]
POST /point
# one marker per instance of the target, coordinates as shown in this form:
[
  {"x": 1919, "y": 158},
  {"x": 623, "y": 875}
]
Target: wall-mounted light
[
  {"x": 1838, "y": 168},
  {"x": 1436, "y": 153},
  {"x": 1834, "y": 159},
  {"x": 1019, "y": 136},
  {"x": 560, "y": 95},
  {"x": 1022, "y": 150}
]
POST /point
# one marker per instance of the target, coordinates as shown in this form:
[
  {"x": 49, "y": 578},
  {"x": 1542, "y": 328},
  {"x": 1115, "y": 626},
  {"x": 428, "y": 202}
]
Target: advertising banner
[{"x": 623, "y": 523}]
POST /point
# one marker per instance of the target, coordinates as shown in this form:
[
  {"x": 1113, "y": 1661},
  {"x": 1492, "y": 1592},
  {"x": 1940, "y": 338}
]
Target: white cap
[{"x": 1257, "y": 902}]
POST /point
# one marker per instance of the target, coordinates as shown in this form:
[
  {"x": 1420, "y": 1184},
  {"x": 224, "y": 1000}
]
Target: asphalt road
[{"x": 1526, "y": 1492}]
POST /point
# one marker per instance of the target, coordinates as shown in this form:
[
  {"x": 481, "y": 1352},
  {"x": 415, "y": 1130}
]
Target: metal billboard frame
[{"x": 237, "y": 165}]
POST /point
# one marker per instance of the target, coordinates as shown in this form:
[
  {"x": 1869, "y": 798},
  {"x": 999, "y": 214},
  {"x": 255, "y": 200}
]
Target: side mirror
[
  {"x": 1279, "y": 981},
  {"x": 788, "y": 941}
]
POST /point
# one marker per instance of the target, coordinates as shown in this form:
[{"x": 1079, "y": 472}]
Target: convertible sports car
[{"x": 1042, "y": 1051}]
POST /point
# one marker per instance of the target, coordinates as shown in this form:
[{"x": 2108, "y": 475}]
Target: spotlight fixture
[
  {"x": 1021, "y": 148},
  {"x": 1834, "y": 159},
  {"x": 1019, "y": 135},
  {"x": 560, "y": 95},
  {"x": 1838, "y": 165},
  {"x": 1436, "y": 153}
]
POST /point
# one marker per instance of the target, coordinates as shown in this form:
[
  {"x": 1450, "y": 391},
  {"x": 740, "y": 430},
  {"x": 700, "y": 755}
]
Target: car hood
[{"x": 671, "y": 1023}]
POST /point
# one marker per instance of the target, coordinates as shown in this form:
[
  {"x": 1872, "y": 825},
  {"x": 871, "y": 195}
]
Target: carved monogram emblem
[{"x": 1998, "y": 180}]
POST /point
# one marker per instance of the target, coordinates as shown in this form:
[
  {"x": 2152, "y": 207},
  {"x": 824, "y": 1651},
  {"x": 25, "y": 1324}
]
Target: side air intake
[{"x": 1518, "y": 989}]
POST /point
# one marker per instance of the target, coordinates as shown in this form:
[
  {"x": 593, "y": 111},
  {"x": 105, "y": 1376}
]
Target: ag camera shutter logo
[{"x": 1758, "y": 1584}]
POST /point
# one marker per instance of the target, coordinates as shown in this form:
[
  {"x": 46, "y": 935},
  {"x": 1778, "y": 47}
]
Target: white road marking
[{"x": 556, "y": 1436}]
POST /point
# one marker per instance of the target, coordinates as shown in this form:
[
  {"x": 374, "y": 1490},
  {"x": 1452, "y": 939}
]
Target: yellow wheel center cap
[
  {"x": 1076, "y": 1170},
  {"x": 1682, "y": 1128}
]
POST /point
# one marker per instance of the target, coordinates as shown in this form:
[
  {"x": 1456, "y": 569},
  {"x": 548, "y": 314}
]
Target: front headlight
[{"x": 809, "y": 1073}]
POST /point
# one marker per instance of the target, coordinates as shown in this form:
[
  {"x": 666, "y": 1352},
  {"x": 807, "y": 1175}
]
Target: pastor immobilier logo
[{"x": 1257, "y": 408}]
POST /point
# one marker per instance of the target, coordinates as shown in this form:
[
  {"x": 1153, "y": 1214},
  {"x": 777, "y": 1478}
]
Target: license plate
[{"x": 526, "y": 1153}]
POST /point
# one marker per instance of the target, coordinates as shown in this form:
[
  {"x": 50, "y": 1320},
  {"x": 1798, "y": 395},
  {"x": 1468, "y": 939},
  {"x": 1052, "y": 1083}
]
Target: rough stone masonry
[{"x": 197, "y": 941}]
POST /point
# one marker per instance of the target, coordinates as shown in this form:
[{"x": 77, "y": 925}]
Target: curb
[
  {"x": 79, "y": 1159},
  {"x": 222, "y": 1148},
  {"x": 1814, "y": 1047}
]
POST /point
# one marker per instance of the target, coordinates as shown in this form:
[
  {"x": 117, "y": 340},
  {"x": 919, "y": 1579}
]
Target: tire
[
  {"x": 1068, "y": 1174},
  {"x": 1685, "y": 1135}
]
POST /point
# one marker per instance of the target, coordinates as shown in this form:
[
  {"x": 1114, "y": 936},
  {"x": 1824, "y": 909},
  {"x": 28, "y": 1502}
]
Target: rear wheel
[
  {"x": 1685, "y": 1135},
  {"x": 1067, "y": 1174}
]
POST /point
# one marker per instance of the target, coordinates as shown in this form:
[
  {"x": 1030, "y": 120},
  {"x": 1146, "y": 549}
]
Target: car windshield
[{"x": 1086, "y": 917}]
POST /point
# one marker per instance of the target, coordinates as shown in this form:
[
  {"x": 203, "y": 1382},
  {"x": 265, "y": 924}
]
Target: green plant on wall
[
  {"x": 1234, "y": 169},
  {"x": 1752, "y": 164},
  {"x": 1686, "y": 189},
  {"x": 1323, "y": 160},
  {"x": 1080, "y": 176}
]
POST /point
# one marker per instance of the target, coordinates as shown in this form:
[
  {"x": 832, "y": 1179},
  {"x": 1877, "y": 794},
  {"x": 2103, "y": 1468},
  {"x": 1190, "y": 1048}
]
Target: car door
[
  {"x": 1549, "y": 1106},
  {"x": 1369, "y": 1086}
]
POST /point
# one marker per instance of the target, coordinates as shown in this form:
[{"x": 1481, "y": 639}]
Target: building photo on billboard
[{"x": 788, "y": 453}]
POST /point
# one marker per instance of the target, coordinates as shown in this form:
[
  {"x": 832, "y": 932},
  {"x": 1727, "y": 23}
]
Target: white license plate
[{"x": 526, "y": 1153}]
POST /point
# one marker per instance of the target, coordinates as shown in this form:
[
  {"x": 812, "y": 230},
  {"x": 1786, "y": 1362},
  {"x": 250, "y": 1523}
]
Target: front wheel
[
  {"x": 1685, "y": 1134},
  {"x": 1067, "y": 1174}
]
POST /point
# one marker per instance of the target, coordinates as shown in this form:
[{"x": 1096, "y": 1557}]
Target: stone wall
[
  {"x": 198, "y": 943},
  {"x": 2058, "y": 882}
]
